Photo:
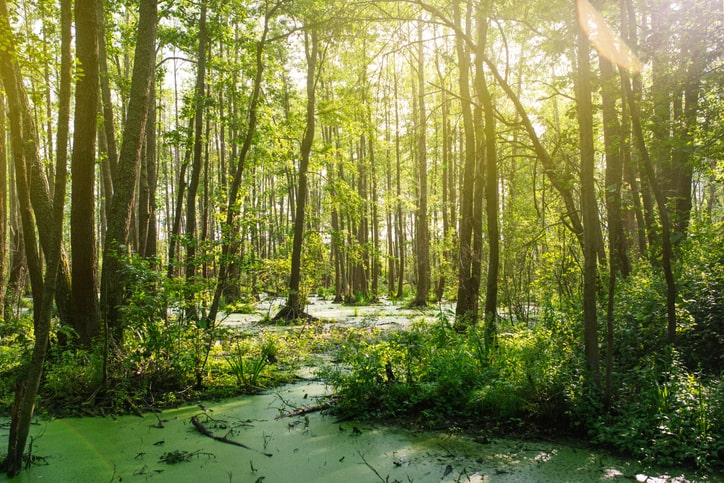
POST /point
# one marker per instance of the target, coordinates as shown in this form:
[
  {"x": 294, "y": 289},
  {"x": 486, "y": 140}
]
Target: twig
[
  {"x": 371, "y": 467},
  {"x": 206, "y": 432}
]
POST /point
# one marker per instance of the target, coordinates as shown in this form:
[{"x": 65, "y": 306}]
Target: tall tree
[
  {"x": 491, "y": 184},
  {"x": 589, "y": 208},
  {"x": 293, "y": 307},
  {"x": 116, "y": 248},
  {"x": 229, "y": 245},
  {"x": 422, "y": 237},
  {"x": 466, "y": 310},
  {"x": 82, "y": 216},
  {"x": 42, "y": 303},
  {"x": 199, "y": 105},
  {"x": 3, "y": 207}
]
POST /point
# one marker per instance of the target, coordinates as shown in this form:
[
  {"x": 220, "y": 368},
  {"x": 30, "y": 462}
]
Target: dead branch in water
[{"x": 206, "y": 432}]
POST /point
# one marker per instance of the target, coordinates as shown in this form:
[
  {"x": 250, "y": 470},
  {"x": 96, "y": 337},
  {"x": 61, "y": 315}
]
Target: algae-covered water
[{"x": 306, "y": 448}]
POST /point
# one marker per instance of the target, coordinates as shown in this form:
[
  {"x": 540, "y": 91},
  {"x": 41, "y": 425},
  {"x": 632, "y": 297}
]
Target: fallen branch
[
  {"x": 364, "y": 460},
  {"x": 305, "y": 410},
  {"x": 206, "y": 432}
]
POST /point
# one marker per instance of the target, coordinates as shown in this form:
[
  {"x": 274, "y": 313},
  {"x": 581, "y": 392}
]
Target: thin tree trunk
[
  {"x": 588, "y": 203},
  {"x": 3, "y": 207},
  {"x": 466, "y": 311},
  {"x": 200, "y": 101},
  {"x": 175, "y": 234},
  {"x": 422, "y": 236},
  {"x": 491, "y": 191},
  {"x": 667, "y": 251},
  {"x": 149, "y": 182},
  {"x": 107, "y": 103},
  {"x": 293, "y": 308},
  {"x": 400, "y": 227}
]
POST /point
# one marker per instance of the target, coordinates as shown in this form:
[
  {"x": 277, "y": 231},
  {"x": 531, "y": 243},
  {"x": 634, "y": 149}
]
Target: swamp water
[
  {"x": 306, "y": 448},
  {"x": 312, "y": 447}
]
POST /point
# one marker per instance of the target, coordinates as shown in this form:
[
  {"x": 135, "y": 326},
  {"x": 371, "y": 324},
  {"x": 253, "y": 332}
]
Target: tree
[
  {"x": 82, "y": 216},
  {"x": 293, "y": 307},
  {"x": 43, "y": 303},
  {"x": 422, "y": 242},
  {"x": 466, "y": 311},
  {"x": 229, "y": 245},
  {"x": 116, "y": 248},
  {"x": 199, "y": 106},
  {"x": 589, "y": 207},
  {"x": 491, "y": 185}
]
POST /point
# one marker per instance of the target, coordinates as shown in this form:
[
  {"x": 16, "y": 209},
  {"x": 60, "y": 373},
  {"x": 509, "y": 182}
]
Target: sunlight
[{"x": 605, "y": 40}]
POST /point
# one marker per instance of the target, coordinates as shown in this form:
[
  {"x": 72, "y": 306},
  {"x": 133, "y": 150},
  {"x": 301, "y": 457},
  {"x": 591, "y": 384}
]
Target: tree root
[{"x": 288, "y": 314}]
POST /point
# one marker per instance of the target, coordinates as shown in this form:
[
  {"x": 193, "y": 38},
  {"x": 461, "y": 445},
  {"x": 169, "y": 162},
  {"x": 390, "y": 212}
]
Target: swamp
[{"x": 363, "y": 240}]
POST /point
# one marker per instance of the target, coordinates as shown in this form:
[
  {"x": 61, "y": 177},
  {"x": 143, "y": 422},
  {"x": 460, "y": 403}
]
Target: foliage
[
  {"x": 663, "y": 412},
  {"x": 701, "y": 331},
  {"x": 16, "y": 341},
  {"x": 432, "y": 373},
  {"x": 248, "y": 360},
  {"x": 666, "y": 414}
]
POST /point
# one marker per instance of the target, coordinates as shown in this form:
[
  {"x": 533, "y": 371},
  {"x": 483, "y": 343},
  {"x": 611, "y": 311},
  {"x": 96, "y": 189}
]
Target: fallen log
[
  {"x": 206, "y": 432},
  {"x": 305, "y": 410}
]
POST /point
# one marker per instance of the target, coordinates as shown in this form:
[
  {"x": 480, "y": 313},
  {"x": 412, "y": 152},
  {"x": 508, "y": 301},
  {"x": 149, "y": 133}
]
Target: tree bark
[
  {"x": 491, "y": 190},
  {"x": 116, "y": 249},
  {"x": 82, "y": 216},
  {"x": 466, "y": 311},
  {"x": 3, "y": 208},
  {"x": 200, "y": 101}
]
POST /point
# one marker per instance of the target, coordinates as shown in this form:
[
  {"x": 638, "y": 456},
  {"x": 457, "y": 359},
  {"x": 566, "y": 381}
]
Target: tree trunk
[
  {"x": 491, "y": 190},
  {"x": 584, "y": 108},
  {"x": 116, "y": 249},
  {"x": 293, "y": 308},
  {"x": 175, "y": 234},
  {"x": 3, "y": 208},
  {"x": 667, "y": 251},
  {"x": 200, "y": 101},
  {"x": 82, "y": 215},
  {"x": 106, "y": 99},
  {"x": 149, "y": 182},
  {"x": 466, "y": 311},
  {"x": 400, "y": 225},
  {"x": 43, "y": 305},
  {"x": 422, "y": 241}
]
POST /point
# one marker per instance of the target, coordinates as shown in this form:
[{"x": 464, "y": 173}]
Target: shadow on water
[{"x": 310, "y": 447}]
